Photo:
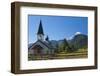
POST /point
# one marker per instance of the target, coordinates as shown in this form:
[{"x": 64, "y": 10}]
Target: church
[{"x": 41, "y": 46}]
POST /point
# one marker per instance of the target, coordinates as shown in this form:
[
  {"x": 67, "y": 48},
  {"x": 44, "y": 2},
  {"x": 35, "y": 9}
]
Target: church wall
[
  {"x": 31, "y": 51},
  {"x": 44, "y": 51}
]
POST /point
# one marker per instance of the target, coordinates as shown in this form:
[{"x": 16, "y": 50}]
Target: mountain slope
[{"x": 79, "y": 41}]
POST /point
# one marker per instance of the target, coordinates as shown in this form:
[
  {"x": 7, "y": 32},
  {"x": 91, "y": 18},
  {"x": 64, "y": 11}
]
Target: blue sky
[{"x": 57, "y": 27}]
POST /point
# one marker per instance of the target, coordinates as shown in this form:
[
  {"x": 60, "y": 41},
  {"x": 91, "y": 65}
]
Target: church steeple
[
  {"x": 40, "y": 33},
  {"x": 40, "y": 29}
]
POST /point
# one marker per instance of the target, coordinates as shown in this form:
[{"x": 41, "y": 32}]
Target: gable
[{"x": 39, "y": 43}]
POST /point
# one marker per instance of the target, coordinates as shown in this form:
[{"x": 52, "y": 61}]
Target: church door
[{"x": 38, "y": 50}]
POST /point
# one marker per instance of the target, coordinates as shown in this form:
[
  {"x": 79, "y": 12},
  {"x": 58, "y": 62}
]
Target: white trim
[{"x": 25, "y": 64}]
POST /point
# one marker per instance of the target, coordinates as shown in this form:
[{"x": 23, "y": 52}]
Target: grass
[{"x": 81, "y": 53}]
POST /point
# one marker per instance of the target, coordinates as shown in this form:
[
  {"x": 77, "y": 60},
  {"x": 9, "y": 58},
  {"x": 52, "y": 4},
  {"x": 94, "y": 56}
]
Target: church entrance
[{"x": 38, "y": 50}]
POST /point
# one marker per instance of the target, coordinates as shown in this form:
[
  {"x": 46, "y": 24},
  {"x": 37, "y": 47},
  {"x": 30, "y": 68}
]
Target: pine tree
[
  {"x": 47, "y": 38},
  {"x": 66, "y": 46}
]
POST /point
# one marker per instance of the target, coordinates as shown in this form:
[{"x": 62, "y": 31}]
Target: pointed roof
[
  {"x": 40, "y": 29},
  {"x": 42, "y": 42}
]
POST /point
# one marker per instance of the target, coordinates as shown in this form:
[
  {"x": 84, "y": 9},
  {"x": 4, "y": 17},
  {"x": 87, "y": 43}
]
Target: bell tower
[{"x": 40, "y": 33}]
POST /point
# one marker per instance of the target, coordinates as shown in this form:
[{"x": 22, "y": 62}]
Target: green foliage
[
  {"x": 57, "y": 49},
  {"x": 65, "y": 47},
  {"x": 80, "y": 41},
  {"x": 60, "y": 48}
]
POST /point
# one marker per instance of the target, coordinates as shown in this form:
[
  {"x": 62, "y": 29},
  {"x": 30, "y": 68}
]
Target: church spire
[
  {"x": 40, "y": 33},
  {"x": 40, "y": 29}
]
